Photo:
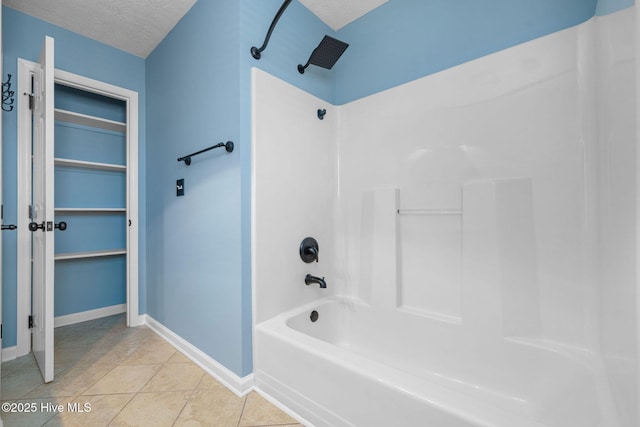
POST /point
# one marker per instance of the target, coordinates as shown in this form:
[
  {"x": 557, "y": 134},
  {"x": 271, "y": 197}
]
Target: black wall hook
[
  {"x": 7, "y": 95},
  {"x": 321, "y": 113},
  {"x": 187, "y": 159},
  {"x": 255, "y": 51}
]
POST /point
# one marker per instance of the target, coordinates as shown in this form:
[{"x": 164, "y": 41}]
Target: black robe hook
[{"x": 7, "y": 95}]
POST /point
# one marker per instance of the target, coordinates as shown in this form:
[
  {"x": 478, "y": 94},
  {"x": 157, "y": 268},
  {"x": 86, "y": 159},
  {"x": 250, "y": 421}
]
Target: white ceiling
[
  {"x": 338, "y": 13},
  {"x": 138, "y": 26},
  {"x": 135, "y": 26}
]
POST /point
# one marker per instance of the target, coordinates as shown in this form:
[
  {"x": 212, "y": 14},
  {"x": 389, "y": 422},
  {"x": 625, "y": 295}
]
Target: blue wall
[
  {"x": 609, "y": 6},
  {"x": 23, "y": 37},
  {"x": 194, "y": 281}
]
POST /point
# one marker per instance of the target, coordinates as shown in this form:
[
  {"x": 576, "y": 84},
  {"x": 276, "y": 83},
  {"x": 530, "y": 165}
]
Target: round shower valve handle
[{"x": 309, "y": 250}]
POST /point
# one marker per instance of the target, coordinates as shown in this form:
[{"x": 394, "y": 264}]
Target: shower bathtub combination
[
  {"x": 476, "y": 236},
  {"x": 357, "y": 366}
]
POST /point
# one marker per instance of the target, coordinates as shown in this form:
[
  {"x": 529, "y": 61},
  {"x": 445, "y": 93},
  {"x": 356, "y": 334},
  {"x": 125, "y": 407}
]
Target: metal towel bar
[{"x": 187, "y": 159}]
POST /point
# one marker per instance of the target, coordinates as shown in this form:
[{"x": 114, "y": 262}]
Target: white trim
[
  {"x": 83, "y": 316},
  {"x": 637, "y": 195},
  {"x": 133, "y": 309},
  {"x": 9, "y": 353},
  {"x": 240, "y": 386},
  {"x": 275, "y": 402}
]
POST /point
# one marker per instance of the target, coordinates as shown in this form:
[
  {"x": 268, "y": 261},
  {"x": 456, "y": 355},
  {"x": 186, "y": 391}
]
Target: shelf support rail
[{"x": 187, "y": 159}]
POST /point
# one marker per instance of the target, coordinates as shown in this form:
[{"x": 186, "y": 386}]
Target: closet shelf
[
  {"x": 89, "y": 254},
  {"x": 430, "y": 212},
  {"x": 85, "y": 120},
  {"x": 90, "y": 210},
  {"x": 88, "y": 165}
]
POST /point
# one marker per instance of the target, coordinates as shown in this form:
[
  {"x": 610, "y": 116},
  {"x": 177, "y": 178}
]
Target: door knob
[
  {"x": 9, "y": 227},
  {"x": 61, "y": 226},
  {"x": 33, "y": 226}
]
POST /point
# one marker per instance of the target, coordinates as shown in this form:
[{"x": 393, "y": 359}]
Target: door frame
[{"x": 25, "y": 70}]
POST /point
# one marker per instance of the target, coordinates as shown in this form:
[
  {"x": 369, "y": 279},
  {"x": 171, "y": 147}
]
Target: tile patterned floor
[{"x": 125, "y": 377}]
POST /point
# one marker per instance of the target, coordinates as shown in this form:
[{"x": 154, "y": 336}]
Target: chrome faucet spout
[{"x": 309, "y": 279}]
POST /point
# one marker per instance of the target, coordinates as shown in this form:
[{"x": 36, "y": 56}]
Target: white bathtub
[{"x": 364, "y": 367}]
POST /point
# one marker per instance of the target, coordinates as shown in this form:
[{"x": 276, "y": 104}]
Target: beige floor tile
[
  {"x": 211, "y": 408},
  {"x": 96, "y": 411},
  {"x": 152, "y": 409},
  {"x": 150, "y": 353},
  {"x": 17, "y": 384},
  {"x": 175, "y": 377},
  {"x": 179, "y": 358},
  {"x": 112, "y": 356},
  {"x": 70, "y": 383},
  {"x": 124, "y": 379},
  {"x": 19, "y": 365},
  {"x": 42, "y": 413},
  {"x": 210, "y": 383},
  {"x": 259, "y": 412}
]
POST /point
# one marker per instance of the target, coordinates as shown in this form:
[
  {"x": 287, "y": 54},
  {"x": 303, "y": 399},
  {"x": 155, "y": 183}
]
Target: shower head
[{"x": 326, "y": 54}]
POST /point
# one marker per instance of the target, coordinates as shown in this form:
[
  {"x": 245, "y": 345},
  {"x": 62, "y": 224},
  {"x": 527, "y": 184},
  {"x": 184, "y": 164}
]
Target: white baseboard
[
  {"x": 9, "y": 353},
  {"x": 240, "y": 386},
  {"x": 83, "y": 316}
]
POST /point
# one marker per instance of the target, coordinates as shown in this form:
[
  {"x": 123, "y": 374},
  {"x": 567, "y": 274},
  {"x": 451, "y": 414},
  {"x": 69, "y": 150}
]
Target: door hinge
[
  {"x": 31, "y": 100},
  {"x": 30, "y": 212},
  {"x": 1, "y": 211},
  {"x": 30, "y": 322},
  {"x": 0, "y": 331}
]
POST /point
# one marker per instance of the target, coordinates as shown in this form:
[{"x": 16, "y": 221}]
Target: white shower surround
[{"x": 535, "y": 145}]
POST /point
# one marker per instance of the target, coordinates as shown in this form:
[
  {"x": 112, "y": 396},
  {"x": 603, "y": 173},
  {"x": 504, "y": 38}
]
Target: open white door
[
  {"x": 43, "y": 213},
  {"x": 1, "y": 216}
]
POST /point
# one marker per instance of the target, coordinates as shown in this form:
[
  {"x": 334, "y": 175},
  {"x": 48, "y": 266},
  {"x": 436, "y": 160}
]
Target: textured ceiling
[
  {"x": 138, "y": 26},
  {"x": 135, "y": 26},
  {"x": 338, "y": 13}
]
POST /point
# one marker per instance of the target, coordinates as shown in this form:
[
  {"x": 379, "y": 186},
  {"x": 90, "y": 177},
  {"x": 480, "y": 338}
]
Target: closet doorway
[{"x": 78, "y": 191}]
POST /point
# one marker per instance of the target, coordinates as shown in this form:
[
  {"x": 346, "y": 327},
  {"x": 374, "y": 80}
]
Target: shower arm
[{"x": 255, "y": 52}]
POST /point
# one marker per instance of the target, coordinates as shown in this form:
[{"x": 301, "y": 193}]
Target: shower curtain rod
[
  {"x": 257, "y": 51},
  {"x": 187, "y": 159}
]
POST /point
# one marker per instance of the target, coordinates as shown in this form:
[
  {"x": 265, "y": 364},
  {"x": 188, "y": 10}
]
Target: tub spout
[{"x": 309, "y": 279}]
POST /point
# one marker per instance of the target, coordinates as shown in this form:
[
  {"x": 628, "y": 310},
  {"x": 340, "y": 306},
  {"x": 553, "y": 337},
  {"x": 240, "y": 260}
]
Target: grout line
[
  {"x": 184, "y": 406},
  {"x": 121, "y": 409},
  {"x": 244, "y": 404}
]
